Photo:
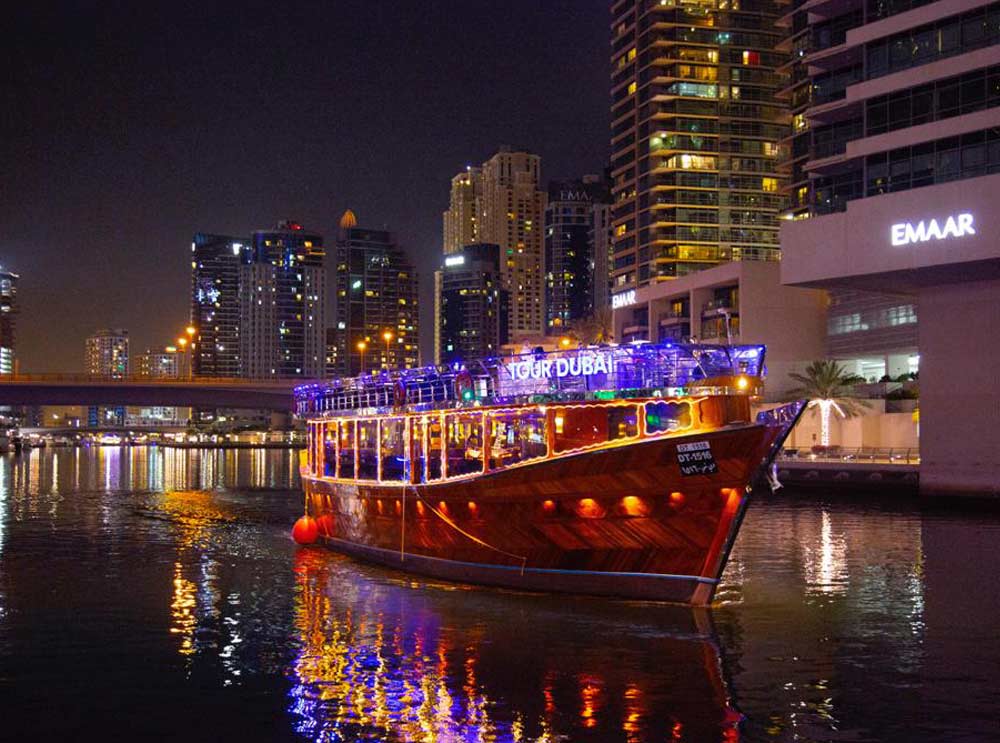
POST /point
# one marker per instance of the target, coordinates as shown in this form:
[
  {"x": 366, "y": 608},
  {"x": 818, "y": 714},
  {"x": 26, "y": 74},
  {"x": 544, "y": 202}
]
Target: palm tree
[
  {"x": 826, "y": 385},
  {"x": 598, "y": 327}
]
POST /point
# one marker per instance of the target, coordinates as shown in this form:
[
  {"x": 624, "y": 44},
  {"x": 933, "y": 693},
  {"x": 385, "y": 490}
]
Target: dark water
[{"x": 155, "y": 595}]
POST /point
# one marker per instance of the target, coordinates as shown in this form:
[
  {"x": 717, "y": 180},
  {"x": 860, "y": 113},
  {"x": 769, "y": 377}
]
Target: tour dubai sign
[
  {"x": 584, "y": 364},
  {"x": 907, "y": 233}
]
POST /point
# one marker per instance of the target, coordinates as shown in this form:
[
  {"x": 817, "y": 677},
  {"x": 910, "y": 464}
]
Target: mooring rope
[{"x": 460, "y": 530}]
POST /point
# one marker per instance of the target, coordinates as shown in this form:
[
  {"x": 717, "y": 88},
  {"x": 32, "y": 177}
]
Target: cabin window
[
  {"x": 329, "y": 444},
  {"x": 516, "y": 436},
  {"x": 393, "y": 449},
  {"x": 464, "y": 443},
  {"x": 346, "y": 460},
  {"x": 418, "y": 427},
  {"x": 368, "y": 450},
  {"x": 666, "y": 416},
  {"x": 590, "y": 425},
  {"x": 434, "y": 443}
]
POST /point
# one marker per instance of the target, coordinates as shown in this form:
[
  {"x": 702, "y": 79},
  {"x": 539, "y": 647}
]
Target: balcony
[
  {"x": 719, "y": 307},
  {"x": 670, "y": 317}
]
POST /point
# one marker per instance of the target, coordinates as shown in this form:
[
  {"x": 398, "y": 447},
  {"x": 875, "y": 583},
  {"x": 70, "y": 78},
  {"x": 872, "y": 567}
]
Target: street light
[
  {"x": 361, "y": 347},
  {"x": 565, "y": 342},
  {"x": 387, "y": 336}
]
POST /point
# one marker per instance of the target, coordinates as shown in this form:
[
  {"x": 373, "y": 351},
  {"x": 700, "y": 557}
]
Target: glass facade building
[
  {"x": 215, "y": 303},
  {"x": 282, "y": 288},
  {"x": 886, "y": 97},
  {"x": 376, "y": 294},
  {"x": 8, "y": 311},
  {"x": 572, "y": 250},
  {"x": 473, "y": 305}
]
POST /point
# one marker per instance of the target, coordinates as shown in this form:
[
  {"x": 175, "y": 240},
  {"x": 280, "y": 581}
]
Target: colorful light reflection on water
[{"x": 157, "y": 592}]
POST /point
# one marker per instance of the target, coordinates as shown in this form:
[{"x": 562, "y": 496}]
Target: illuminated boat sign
[
  {"x": 583, "y": 365},
  {"x": 958, "y": 225}
]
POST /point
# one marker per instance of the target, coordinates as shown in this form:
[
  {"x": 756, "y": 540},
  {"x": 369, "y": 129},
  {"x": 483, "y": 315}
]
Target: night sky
[{"x": 127, "y": 127}]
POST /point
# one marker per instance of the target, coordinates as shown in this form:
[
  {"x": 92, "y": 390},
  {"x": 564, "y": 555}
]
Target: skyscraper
[
  {"x": 570, "y": 250},
  {"x": 603, "y": 255},
  {"x": 509, "y": 212},
  {"x": 107, "y": 354},
  {"x": 694, "y": 138},
  {"x": 282, "y": 292},
  {"x": 473, "y": 306},
  {"x": 460, "y": 223},
  {"x": 215, "y": 304},
  {"x": 8, "y": 311},
  {"x": 376, "y": 302}
]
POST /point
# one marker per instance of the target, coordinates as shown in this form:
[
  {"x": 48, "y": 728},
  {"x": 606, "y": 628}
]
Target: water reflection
[
  {"x": 159, "y": 588},
  {"x": 152, "y": 468},
  {"x": 404, "y": 660}
]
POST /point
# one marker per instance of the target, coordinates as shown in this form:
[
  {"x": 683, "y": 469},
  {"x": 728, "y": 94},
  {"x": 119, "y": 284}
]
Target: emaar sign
[
  {"x": 623, "y": 299},
  {"x": 906, "y": 233}
]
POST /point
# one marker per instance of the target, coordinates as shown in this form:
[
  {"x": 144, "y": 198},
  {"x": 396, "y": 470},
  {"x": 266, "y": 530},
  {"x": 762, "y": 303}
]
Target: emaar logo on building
[
  {"x": 623, "y": 299},
  {"x": 958, "y": 225}
]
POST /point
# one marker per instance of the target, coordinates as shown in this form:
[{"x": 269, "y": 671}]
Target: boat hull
[{"x": 625, "y": 521}]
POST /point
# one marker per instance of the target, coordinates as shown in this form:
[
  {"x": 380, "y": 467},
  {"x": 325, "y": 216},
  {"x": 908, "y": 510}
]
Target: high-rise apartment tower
[
  {"x": 376, "y": 311},
  {"x": 694, "y": 138},
  {"x": 509, "y": 212},
  {"x": 215, "y": 303},
  {"x": 283, "y": 304}
]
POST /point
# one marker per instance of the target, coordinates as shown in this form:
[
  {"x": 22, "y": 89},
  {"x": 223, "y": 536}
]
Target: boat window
[
  {"x": 516, "y": 436},
  {"x": 368, "y": 450},
  {"x": 667, "y": 416},
  {"x": 329, "y": 444},
  {"x": 418, "y": 426},
  {"x": 465, "y": 443},
  {"x": 394, "y": 465},
  {"x": 434, "y": 441},
  {"x": 346, "y": 469},
  {"x": 590, "y": 425}
]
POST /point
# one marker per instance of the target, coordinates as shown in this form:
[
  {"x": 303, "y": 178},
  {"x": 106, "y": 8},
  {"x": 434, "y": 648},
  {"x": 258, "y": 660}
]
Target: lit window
[
  {"x": 769, "y": 184},
  {"x": 631, "y": 88}
]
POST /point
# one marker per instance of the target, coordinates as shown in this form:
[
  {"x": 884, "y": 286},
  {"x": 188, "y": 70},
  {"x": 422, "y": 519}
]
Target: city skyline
[{"x": 143, "y": 154}]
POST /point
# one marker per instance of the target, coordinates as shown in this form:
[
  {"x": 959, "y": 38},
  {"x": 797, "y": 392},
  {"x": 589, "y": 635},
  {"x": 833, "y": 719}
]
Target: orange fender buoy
[{"x": 305, "y": 531}]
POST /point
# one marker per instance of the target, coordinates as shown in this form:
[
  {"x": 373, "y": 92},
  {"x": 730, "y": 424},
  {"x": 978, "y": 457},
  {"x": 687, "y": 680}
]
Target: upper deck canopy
[{"x": 631, "y": 370}]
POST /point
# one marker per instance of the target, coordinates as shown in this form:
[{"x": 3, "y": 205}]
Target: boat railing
[
  {"x": 618, "y": 370},
  {"x": 411, "y": 448},
  {"x": 859, "y": 454}
]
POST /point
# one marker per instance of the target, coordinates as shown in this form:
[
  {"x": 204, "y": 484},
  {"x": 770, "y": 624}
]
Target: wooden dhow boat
[{"x": 618, "y": 471}]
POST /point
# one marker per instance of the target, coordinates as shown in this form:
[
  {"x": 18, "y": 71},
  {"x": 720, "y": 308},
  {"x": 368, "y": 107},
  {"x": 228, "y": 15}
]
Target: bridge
[{"x": 199, "y": 392}]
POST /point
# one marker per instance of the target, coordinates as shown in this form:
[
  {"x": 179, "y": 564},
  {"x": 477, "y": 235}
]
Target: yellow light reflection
[{"x": 182, "y": 610}]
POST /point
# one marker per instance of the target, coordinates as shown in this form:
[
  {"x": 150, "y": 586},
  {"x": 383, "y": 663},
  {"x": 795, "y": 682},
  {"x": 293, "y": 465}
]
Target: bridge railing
[{"x": 76, "y": 378}]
